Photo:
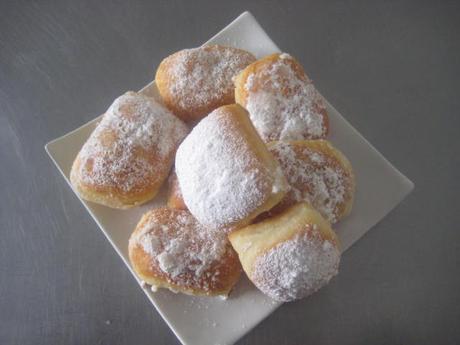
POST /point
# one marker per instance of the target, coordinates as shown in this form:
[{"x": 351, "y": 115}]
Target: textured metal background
[{"x": 391, "y": 68}]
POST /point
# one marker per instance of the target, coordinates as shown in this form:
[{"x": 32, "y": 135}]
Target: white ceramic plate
[{"x": 203, "y": 321}]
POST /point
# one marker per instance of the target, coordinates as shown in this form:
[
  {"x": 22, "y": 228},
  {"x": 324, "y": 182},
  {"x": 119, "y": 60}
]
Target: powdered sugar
[
  {"x": 135, "y": 138},
  {"x": 314, "y": 177},
  {"x": 182, "y": 248},
  {"x": 284, "y": 106},
  {"x": 285, "y": 56},
  {"x": 221, "y": 178},
  {"x": 297, "y": 267},
  {"x": 203, "y": 76}
]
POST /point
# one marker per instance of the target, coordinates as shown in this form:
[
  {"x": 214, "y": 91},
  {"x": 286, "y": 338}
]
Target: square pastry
[{"x": 226, "y": 173}]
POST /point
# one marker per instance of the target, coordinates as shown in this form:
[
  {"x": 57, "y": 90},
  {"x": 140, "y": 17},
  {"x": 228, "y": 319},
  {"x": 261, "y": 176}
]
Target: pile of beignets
[{"x": 253, "y": 183}]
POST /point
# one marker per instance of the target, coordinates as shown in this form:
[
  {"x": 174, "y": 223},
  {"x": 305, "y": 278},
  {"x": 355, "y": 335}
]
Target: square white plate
[{"x": 202, "y": 321}]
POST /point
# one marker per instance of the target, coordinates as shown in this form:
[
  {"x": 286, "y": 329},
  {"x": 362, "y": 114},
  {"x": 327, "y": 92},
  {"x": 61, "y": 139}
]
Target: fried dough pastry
[
  {"x": 281, "y": 100},
  {"x": 289, "y": 256},
  {"x": 170, "y": 249},
  {"x": 129, "y": 154},
  {"x": 194, "y": 82}
]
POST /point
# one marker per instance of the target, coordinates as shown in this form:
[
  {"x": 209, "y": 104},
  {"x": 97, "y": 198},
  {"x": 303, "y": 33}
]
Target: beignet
[
  {"x": 170, "y": 249},
  {"x": 194, "y": 82},
  {"x": 289, "y": 256},
  {"x": 226, "y": 174},
  {"x": 129, "y": 154},
  {"x": 282, "y": 102},
  {"x": 318, "y": 174}
]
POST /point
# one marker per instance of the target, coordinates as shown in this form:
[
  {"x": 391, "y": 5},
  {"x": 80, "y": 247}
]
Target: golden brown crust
[
  {"x": 262, "y": 74},
  {"x": 261, "y": 65},
  {"x": 167, "y": 225},
  {"x": 194, "y": 82},
  {"x": 310, "y": 167},
  {"x": 113, "y": 196},
  {"x": 129, "y": 154},
  {"x": 257, "y": 67},
  {"x": 175, "y": 199}
]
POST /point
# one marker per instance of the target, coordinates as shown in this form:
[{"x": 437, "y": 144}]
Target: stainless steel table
[{"x": 392, "y": 68}]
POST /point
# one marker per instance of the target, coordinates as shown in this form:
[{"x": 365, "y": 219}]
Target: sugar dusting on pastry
[
  {"x": 297, "y": 267},
  {"x": 118, "y": 152},
  {"x": 221, "y": 178},
  {"x": 204, "y": 75},
  {"x": 314, "y": 177},
  {"x": 184, "y": 250},
  {"x": 283, "y": 106}
]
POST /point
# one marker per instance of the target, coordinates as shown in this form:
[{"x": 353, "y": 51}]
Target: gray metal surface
[{"x": 392, "y": 68}]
